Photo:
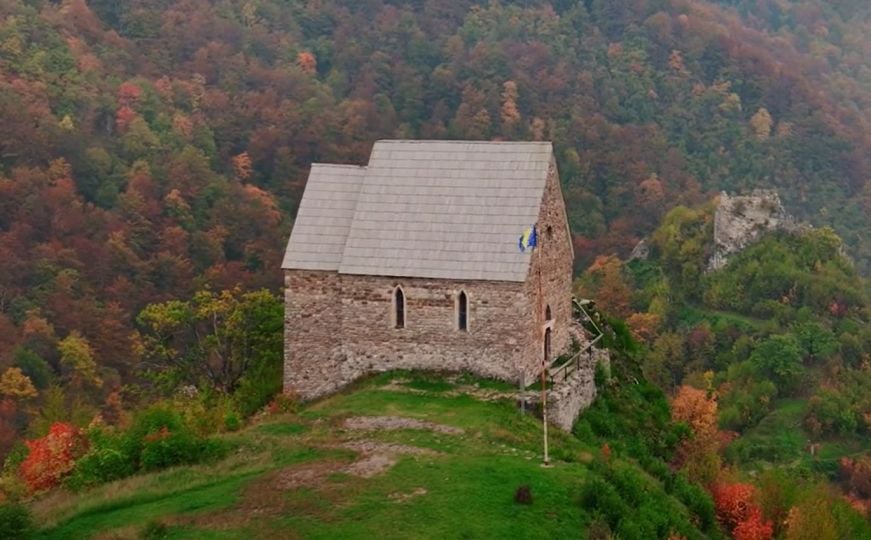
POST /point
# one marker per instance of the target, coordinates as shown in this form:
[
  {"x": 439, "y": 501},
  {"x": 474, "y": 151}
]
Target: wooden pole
[{"x": 544, "y": 358}]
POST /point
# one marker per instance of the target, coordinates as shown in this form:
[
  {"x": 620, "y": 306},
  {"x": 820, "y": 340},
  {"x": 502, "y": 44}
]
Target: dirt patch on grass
[
  {"x": 377, "y": 457},
  {"x": 266, "y": 497},
  {"x": 402, "y": 497},
  {"x": 390, "y": 423}
]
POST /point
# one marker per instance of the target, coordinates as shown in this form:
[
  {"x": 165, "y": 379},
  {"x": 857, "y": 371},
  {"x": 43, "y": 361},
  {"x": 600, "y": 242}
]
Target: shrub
[
  {"x": 108, "y": 459},
  {"x": 283, "y": 403},
  {"x": 232, "y": 422},
  {"x": 52, "y": 457},
  {"x": 523, "y": 495},
  {"x": 160, "y": 438},
  {"x": 15, "y": 522}
]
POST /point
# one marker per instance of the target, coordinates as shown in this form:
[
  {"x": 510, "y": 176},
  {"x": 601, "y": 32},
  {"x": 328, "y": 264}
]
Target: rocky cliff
[{"x": 742, "y": 219}]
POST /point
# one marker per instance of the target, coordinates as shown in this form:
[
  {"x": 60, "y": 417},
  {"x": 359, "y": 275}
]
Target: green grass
[
  {"x": 779, "y": 440},
  {"x": 463, "y": 489},
  {"x": 690, "y": 315}
]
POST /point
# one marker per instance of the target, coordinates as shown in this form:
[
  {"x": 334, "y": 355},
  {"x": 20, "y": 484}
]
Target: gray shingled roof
[
  {"x": 433, "y": 209},
  {"x": 324, "y": 217}
]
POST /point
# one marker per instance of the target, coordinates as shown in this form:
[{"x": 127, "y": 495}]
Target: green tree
[
  {"x": 213, "y": 339},
  {"x": 779, "y": 358}
]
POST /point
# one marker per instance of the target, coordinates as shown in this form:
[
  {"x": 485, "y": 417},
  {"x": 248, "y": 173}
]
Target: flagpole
[{"x": 544, "y": 358}]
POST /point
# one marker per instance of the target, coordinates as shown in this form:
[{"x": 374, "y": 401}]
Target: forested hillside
[
  {"x": 767, "y": 358},
  {"x": 150, "y": 149}
]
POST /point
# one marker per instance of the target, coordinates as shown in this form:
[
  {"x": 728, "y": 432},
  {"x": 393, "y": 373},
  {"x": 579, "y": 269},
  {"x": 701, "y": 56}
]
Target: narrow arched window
[
  {"x": 399, "y": 306},
  {"x": 463, "y": 312},
  {"x": 547, "y": 314}
]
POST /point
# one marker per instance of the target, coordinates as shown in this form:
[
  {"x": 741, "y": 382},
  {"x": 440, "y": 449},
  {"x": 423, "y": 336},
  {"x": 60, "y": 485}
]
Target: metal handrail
[{"x": 574, "y": 363}]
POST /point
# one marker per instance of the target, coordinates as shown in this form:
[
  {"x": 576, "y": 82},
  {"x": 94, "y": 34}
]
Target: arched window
[
  {"x": 549, "y": 232},
  {"x": 463, "y": 312},
  {"x": 547, "y": 346},
  {"x": 399, "y": 307},
  {"x": 547, "y": 314}
]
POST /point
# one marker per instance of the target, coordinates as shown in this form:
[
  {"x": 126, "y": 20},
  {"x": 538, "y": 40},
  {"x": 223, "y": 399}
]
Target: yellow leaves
[
  {"x": 16, "y": 385},
  {"x": 761, "y": 123},
  {"x": 78, "y": 357},
  {"x": 66, "y": 123}
]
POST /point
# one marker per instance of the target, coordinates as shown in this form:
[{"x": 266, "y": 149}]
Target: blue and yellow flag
[{"x": 528, "y": 240}]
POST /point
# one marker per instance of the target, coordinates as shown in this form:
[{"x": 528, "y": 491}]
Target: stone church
[{"x": 413, "y": 262}]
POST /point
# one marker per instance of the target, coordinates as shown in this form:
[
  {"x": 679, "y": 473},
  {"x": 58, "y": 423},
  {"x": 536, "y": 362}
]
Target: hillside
[
  {"x": 778, "y": 340},
  {"x": 402, "y": 455},
  {"x": 150, "y": 148}
]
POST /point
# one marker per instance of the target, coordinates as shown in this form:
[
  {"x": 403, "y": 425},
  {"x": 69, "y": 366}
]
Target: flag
[{"x": 528, "y": 240}]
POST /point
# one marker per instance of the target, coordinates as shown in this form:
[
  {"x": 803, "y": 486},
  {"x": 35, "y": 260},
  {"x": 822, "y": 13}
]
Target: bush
[
  {"x": 51, "y": 458},
  {"x": 232, "y": 422},
  {"x": 15, "y": 522},
  {"x": 107, "y": 460},
  {"x": 158, "y": 438}
]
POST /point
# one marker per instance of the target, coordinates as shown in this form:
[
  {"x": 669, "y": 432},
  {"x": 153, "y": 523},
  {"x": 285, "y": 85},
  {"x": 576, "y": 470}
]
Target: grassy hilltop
[{"x": 443, "y": 459}]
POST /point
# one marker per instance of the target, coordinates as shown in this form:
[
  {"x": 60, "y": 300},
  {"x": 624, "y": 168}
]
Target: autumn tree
[
  {"x": 51, "y": 458},
  {"x": 77, "y": 357},
  {"x": 761, "y": 123},
  {"x": 307, "y": 62},
  {"x": 510, "y": 112},
  {"x": 213, "y": 339},
  {"x": 605, "y": 281},
  {"x": 242, "y": 166},
  {"x": 698, "y": 455},
  {"x": 16, "y": 385}
]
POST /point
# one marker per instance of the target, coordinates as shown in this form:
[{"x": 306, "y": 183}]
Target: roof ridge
[{"x": 452, "y": 141}]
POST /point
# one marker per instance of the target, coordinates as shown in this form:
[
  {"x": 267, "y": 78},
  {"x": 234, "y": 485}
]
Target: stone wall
[
  {"x": 568, "y": 398},
  {"x": 550, "y": 276},
  {"x": 340, "y": 327}
]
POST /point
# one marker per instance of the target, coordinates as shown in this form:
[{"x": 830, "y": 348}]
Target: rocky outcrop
[{"x": 741, "y": 220}]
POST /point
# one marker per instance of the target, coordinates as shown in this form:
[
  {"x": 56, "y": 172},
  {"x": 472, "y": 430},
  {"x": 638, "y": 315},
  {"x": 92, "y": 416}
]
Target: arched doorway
[{"x": 547, "y": 346}]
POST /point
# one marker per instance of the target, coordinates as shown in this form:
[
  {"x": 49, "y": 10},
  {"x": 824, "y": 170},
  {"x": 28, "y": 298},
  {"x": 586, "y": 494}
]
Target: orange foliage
[
  {"x": 307, "y": 62},
  {"x": 694, "y": 407},
  {"x": 242, "y": 166},
  {"x": 612, "y": 292},
  {"x": 644, "y": 326},
  {"x": 52, "y": 457},
  {"x": 733, "y": 502}
]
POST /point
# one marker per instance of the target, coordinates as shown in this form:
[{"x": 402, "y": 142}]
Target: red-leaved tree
[
  {"x": 733, "y": 503},
  {"x": 52, "y": 457},
  {"x": 754, "y": 527}
]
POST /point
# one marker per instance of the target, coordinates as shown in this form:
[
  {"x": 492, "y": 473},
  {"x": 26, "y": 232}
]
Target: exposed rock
[
  {"x": 641, "y": 251},
  {"x": 741, "y": 220}
]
